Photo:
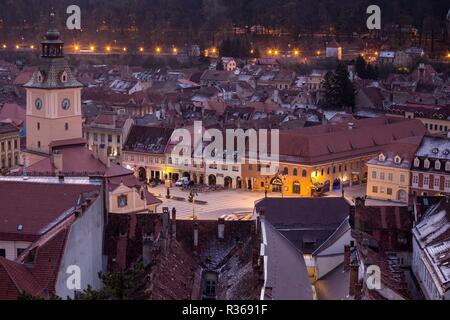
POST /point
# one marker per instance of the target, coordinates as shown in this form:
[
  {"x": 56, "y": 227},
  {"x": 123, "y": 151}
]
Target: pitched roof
[
  {"x": 148, "y": 139},
  {"x": 77, "y": 160},
  {"x": 285, "y": 273},
  {"x": 305, "y": 220},
  {"x": 13, "y": 112},
  {"x": 332, "y": 142},
  {"x": 52, "y": 71},
  {"x": 35, "y": 206},
  {"x": 15, "y": 278}
]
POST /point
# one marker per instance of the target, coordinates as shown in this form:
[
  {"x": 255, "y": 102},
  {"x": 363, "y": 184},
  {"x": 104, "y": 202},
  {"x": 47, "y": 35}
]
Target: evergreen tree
[
  {"x": 339, "y": 92},
  {"x": 120, "y": 285}
]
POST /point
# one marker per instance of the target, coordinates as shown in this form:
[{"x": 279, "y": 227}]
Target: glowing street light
[
  {"x": 270, "y": 52},
  {"x": 296, "y": 53},
  {"x": 4, "y": 46},
  {"x": 108, "y": 48},
  {"x": 32, "y": 47},
  {"x": 174, "y": 50},
  {"x": 214, "y": 50},
  {"x": 17, "y": 46},
  {"x": 141, "y": 49},
  {"x": 448, "y": 55},
  {"x": 76, "y": 47},
  {"x": 318, "y": 52},
  {"x": 124, "y": 49},
  {"x": 276, "y": 52},
  {"x": 252, "y": 51},
  {"x": 92, "y": 48},
  {"x": 158, "y": 49}
]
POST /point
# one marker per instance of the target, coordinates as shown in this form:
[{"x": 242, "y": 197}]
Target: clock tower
[{"x": 53, "y": 98}]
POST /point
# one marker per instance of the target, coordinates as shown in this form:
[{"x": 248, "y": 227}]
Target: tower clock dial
[
  {"x": 65, "y": 104},
  {"x": 38, "y": 103}
]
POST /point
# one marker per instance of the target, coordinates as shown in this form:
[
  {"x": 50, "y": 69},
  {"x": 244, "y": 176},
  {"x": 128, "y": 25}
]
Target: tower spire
[{"x": 52, "y": 46}]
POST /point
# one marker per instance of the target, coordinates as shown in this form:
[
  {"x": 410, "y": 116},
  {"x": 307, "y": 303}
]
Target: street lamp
[{"x": 192, "y": 196}]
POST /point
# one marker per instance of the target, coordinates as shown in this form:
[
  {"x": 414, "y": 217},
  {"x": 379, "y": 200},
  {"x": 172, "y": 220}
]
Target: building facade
[
  {"x": 430, "y": 172},
  {"x": 9, "y": 147}
]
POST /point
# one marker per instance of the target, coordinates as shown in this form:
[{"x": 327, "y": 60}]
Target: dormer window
[
  {"x": 435, "y": 150},
  {"x": 426, "y": 163},
  {"x": 437, "y": 165},
  {"x": 40, "y": 77},
  {"x": 64, "y": 77},
  {"x": 416, "y": 162},
  {"x": 382, "y": 157},
  {"x": 397, "y": 159}
]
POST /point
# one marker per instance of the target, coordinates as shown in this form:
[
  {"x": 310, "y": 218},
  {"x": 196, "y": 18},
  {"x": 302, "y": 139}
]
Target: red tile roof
[
  {"x": 12, "y": 112},
  {"x": 77, "y": 160},
  {"x": 327, "y": 143},
  {"x": 15, "y": 278},
  {"x": 35, "y": 206}
]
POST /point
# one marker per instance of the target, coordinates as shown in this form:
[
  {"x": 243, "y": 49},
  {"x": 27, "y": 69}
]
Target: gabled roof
[
  {"x": 15, "y": 279},
  {"x": 305, "y": 220},
  {"x": 285, "y": 273},
  {"x": 34, "y": 206}
]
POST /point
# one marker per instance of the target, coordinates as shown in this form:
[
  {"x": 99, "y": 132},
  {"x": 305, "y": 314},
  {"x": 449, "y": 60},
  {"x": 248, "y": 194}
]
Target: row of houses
[
  {"x": 411, "y": 167},
  {"x": 326, "y": 156}
]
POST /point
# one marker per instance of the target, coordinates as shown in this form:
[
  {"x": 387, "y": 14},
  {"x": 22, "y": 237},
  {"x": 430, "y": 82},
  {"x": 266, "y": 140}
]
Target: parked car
[{"x": 184, "y": 181}]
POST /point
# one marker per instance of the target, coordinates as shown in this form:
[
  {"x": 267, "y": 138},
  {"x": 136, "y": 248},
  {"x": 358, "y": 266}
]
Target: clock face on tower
[
  {"x": 38, "y": 103},
  {"x": 65, "y": 104}
]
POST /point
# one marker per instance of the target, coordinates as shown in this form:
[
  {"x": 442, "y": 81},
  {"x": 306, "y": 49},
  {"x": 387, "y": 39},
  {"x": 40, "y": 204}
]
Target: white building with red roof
[{"x": 50, "y": 227}]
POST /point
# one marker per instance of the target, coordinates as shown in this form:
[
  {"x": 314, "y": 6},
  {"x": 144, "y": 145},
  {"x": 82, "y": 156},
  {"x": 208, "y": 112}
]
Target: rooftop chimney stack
[
  {"x": 165, "y": 221},
  {"x": 346, "y": 257},
  {"x": 221, "y": 228},
  {"x": 103, "y": 155},
  {"x": 195, "y": 235},
  {"x": 174, "y": 223},
  {"x": 57, "y": 160}
]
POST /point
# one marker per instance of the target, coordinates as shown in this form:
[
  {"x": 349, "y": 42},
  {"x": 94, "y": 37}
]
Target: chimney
[
  {"x": 147, "y": 244},
  {"x": 165, "y": 221},
  {"x": 221, "y": 228},
  {"x": 57, "y": 160},
  {"x": 346, "y": 257},
  {"x": 195, "y": 235},
  {"x": 174, "y": 223},
  {"x": 353, "y": 279},
  {"x": 103, "y": 155}
]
